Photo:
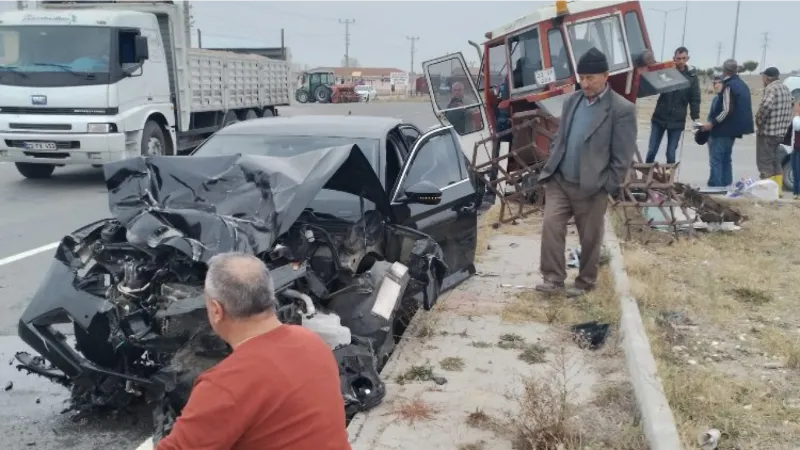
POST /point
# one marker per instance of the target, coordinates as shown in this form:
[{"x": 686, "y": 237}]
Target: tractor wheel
[
  {"x": 322, "y": 94},
  {"x": 302, "y": 96}
]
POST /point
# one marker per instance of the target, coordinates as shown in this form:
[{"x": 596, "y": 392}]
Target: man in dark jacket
[
  {"x": 731, "y": 118},
  {"x": 670, "y": 113}
]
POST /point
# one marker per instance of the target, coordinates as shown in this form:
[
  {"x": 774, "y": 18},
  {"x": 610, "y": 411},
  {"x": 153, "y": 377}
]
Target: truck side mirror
[{"x": 141, "y": 49}]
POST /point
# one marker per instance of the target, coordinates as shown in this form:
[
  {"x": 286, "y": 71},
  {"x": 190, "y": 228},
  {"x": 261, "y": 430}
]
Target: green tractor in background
[{"x": 321, "y": 87}]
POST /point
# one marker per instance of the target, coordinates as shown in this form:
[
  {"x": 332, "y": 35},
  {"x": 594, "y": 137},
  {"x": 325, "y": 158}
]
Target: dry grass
[
  {"x": 549, "y": 419},
  {"x": 487, "y": 227},
  {"x": 722, "y": 318},
  {"x": 599, "y": 304},
  {"x": 452, "y": 364},
  {"x": 414, "y": 410}
]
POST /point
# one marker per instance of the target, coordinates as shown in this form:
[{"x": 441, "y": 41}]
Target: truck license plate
[{"x": 41, "y": 146}]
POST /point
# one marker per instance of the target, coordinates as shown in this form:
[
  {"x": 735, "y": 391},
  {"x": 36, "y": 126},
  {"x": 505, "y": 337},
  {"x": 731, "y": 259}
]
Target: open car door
[{"x": 456, "y": 101}]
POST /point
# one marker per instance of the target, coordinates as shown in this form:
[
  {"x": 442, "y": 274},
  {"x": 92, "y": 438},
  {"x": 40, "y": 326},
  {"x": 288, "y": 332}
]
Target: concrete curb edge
[{"x": 657, "y": 419}]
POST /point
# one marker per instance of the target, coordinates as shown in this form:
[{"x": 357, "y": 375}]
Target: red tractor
[{"x": 528, "y": 71}]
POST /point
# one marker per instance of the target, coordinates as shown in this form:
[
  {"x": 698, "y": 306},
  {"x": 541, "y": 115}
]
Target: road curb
[{"x": 658, "y": 422}]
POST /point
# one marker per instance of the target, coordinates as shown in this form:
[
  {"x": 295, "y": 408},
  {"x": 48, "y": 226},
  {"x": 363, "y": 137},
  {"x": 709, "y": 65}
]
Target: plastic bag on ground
[{"x": 760, "y": 189}]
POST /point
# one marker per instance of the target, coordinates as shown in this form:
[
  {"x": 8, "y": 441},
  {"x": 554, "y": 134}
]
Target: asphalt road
[{"x": 34, "y": 215}]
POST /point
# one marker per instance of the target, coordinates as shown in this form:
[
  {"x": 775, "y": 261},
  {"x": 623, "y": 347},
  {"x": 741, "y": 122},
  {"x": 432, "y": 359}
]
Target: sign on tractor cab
[{"x": 530, "y": 63}]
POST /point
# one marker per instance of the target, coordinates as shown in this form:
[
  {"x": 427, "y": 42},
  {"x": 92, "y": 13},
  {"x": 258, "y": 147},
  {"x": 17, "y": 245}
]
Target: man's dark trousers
[
  {"x": 721, "y": 164},
  {"x": 656, "y": 135}
]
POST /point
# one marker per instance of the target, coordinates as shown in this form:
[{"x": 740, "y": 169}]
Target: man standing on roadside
[
  {"x": 278, "y": 390},
  {"x": 731, "y": 118},
  {"x": 773, "y": 117},
  {"x": 589, "y": 157},
  {"x": 670, "y": 113}
]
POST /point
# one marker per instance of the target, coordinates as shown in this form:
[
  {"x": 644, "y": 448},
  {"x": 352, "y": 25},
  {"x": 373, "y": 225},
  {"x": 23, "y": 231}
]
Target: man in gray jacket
[{"x": 591, "y": 152}]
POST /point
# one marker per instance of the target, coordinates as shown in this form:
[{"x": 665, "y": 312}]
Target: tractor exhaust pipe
[{"x": 477, "y": 49}]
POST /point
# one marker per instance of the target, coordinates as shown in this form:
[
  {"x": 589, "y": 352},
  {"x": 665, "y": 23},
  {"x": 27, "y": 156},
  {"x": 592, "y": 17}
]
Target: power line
[
  {"x": 764, "y": 47},
  {"x": 347, "y": 23},
  {"x": 413, "y": 40}
]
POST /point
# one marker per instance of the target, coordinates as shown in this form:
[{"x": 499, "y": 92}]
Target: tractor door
[
  {"x": 456, "y": 101},
  {"x": 314, "y": 80}
]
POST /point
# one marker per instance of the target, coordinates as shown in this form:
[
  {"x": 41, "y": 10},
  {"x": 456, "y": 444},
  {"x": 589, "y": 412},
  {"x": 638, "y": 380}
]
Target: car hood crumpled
[{"x": 206, "y": 205}]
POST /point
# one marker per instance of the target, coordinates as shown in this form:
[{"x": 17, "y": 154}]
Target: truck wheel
[
  {"x": 267, "y": 113},
  {"x": 230, "y": 118},
  {"x": 251, "y": 114},
  {"x": 35, "y": 171},
  {"x": 153, "y": 142},
  {"x": 322, "y": 94},
  {"x": 302, "y": 96}
]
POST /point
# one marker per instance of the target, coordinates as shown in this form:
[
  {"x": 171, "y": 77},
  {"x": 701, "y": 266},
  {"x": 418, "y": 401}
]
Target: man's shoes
[
  {"x": 549, "y": 287},
  {"x": 575, "y": 292}
]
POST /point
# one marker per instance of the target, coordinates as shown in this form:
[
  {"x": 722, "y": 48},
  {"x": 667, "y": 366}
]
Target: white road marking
[
  {"x": 146, "y": 445},
  {"x": 29, "y": 253}
]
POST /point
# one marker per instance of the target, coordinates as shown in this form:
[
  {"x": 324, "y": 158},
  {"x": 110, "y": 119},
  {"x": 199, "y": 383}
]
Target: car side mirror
[
  {"x": 423, "y": 193},
  {"x": 141, "y": 49}
]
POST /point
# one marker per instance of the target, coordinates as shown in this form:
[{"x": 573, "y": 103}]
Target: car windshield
[{"x": 335, "y": 203}]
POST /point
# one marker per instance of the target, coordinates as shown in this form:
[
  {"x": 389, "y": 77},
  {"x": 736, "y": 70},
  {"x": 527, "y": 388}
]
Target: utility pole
[
  {"x": 736, "y": 30},
  {"x": 664, "y": 33},
  {"x": 719, "y": 52},
  {"x": 188, "y": 21},
  {"x": 764, "y": 49},
  {"x": 685, "y": 16},
  {"x": 199, "y": 38},
  {"x": 347, "y": 23},
  {"x": 413, "y": 40}
]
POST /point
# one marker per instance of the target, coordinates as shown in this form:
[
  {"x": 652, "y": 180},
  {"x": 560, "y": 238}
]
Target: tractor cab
[
  {"x": 527, "y": 71},
  {"x": 315, "y": 87}
]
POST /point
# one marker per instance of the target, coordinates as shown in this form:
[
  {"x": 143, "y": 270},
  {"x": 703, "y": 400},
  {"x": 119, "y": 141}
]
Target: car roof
[{"x": 370, "y": 127}]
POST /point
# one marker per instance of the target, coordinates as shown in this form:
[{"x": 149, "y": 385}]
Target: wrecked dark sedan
[{"x": 355, "y": 244}]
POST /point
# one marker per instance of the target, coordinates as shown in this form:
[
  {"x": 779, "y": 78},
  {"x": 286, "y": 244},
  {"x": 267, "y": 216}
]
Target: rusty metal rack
[
  {"x": 652, "y": 185},
  {"x": 519, "y": 168}
]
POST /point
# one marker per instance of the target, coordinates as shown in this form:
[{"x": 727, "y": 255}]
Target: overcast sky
[{"x": 378, "y": 38}]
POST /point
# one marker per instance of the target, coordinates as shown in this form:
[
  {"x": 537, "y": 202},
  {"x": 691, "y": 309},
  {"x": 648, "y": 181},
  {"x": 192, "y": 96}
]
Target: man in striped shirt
[
  {"x": 731, "y": 118},
  {"x": 773, "y": 117}
]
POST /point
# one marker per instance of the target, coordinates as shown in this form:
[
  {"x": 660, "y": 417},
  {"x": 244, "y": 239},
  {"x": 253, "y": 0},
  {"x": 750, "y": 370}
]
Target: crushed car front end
[{"x": 131, "y": 286}]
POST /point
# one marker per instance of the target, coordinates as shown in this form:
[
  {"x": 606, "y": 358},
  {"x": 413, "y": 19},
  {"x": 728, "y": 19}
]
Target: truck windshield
[{"x": 72, "y": 50}]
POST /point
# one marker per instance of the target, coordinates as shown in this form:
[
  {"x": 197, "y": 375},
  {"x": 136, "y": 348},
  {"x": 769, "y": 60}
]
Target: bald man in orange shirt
[{"x": 278, "y": 390}]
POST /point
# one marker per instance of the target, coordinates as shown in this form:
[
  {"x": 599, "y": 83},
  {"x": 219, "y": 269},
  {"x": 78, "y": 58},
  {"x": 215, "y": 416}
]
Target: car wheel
[
  {"x": 34, "y": 170},
  {"x": 796, "y": 94}
]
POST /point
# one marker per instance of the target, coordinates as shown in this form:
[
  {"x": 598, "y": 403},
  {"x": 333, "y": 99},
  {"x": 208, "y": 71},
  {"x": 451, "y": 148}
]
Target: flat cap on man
[
  {"x": 772, "y": 72},
  {"x": 592, "y": 62}
]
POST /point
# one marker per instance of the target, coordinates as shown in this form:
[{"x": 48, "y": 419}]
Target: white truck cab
[
  {"x": 51, "y": 113},
  {"x": 92, "y": 82}
]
